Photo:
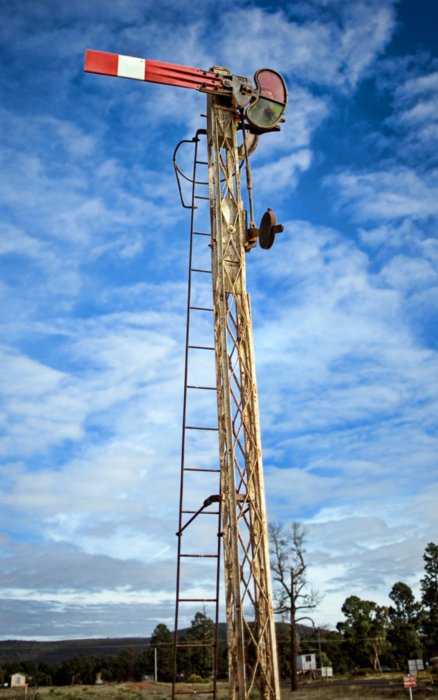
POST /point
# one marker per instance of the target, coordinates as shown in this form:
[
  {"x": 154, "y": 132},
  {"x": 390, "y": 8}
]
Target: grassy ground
[{"x": 162, "y": 691}]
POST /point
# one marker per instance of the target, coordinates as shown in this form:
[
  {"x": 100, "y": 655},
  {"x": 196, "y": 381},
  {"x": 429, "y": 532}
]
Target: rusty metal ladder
[{"x": 199, "y": 526}]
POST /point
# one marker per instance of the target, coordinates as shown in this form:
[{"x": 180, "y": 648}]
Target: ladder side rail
[
  {"x": 183, "y": 432},
  {"x": 181, "y": 557},
  {"x": 217, "y": 607}
]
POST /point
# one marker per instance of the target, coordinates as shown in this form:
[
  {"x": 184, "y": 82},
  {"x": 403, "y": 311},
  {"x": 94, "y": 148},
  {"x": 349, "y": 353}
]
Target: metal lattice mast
[
  {"x": 252, "y": 656},
  {"x": 250, "y": 622}
]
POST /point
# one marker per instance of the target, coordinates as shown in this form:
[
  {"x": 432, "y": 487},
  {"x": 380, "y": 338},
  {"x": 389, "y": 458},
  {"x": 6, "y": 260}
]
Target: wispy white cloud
[
  {"x": 415, "y": 117},
  {"x": 112, "y": 361},
  {"x": 283, "y": 174},
  {"x": 391, "y": 193},
  {"x": 336, "y": 51}
]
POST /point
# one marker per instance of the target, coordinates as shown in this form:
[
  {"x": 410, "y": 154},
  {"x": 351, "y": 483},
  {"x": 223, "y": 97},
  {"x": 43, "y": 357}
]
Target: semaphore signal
[{"x": 235, "y": 105}]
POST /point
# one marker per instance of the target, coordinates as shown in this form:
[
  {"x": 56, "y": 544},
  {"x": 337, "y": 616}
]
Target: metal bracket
[{"x": 265, "y": 233}]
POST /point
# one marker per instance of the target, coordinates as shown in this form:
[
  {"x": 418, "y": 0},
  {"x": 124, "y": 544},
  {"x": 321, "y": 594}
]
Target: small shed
[
  {"x": 306, "y": 662},
  {"x": 18, "y": 680}
]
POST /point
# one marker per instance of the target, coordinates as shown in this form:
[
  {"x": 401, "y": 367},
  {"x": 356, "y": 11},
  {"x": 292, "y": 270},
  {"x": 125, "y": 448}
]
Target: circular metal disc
[{"x": 266, "y": 235}]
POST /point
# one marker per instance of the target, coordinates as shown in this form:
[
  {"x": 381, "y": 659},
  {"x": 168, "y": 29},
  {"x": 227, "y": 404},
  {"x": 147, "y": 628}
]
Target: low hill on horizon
[
  {"x": 52, "y": 652},
  {"x": 18, "y": 650}
]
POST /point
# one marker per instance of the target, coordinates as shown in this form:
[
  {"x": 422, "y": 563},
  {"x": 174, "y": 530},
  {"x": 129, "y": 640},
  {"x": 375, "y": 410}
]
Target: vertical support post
[{"x": 252, "y": 654}]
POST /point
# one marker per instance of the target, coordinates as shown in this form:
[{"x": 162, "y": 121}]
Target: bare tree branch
[{"x": 290, "y": 584}]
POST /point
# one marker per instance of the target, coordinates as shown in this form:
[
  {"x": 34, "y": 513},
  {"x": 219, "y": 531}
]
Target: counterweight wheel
[{"x": 268, "y": 229}]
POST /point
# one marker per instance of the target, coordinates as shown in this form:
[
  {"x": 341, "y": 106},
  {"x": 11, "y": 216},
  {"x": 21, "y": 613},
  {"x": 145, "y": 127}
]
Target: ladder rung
[
  {"x": 202, "y": 512},
  {"x": 198, "y": 427},
  {"x": 201, "y": 308},
  {"x": 201, "y": 162},
  {"x": 198, "y": 556},
  {"x": 200, "y": 196},
  {"x": 198, "y": 469},
  {"x": 208, "y": 388},
  {"x": 196, "y": 600},
  {"x": 200, "y": 347},
  {"x": 200, "y": 233},
  {"x": 197, "y": 269}
]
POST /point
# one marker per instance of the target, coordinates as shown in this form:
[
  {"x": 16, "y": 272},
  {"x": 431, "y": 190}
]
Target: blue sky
[{"x": 93, "y": 256}]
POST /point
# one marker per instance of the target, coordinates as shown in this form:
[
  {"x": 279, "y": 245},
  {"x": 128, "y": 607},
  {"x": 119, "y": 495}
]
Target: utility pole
[{"x": 234, "y": 105}]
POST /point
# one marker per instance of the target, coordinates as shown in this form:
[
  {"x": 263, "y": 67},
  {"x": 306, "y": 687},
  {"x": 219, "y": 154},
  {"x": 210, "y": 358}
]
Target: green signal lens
[{"x": 265, "y": 113}]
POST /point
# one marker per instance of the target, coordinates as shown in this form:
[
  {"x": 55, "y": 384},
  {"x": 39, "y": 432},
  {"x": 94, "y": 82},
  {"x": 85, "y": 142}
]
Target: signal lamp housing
[{"x": 268, "y": 107}]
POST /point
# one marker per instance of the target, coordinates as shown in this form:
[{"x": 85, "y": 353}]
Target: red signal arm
[{"x": 153, "y": 71}]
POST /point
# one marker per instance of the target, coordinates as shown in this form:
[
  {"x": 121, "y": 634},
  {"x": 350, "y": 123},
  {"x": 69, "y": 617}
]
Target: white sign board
[{"x": 415, "y": 665}]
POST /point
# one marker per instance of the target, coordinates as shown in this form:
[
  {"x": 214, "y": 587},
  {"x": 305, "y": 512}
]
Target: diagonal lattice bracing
[{"x": 250, "y": 624}]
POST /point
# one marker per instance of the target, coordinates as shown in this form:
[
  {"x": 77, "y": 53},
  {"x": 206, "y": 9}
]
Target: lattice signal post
[{"x": 234, "y": 104}]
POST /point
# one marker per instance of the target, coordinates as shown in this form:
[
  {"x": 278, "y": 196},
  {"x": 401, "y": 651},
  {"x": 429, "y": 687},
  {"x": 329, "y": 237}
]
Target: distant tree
[
  {"x": 377, "y": 642},
  {"x": 79, "y": 671},
  {"x": 282, "y": 631},
  {"x": 331, "y": 642},
  {"x": 364, "y": 631},
  {"x": 202, "y": 632},
  {"x": 29, "y": 668},
  {"x": 127, "y": 661},
  {"x": 162, "y": 641},
  {"x": 61, "y": 675},
  {"x": 404, "y": 621},
  {"x": 429, "y": 599},
  {"x": 291, "y": 592}
]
